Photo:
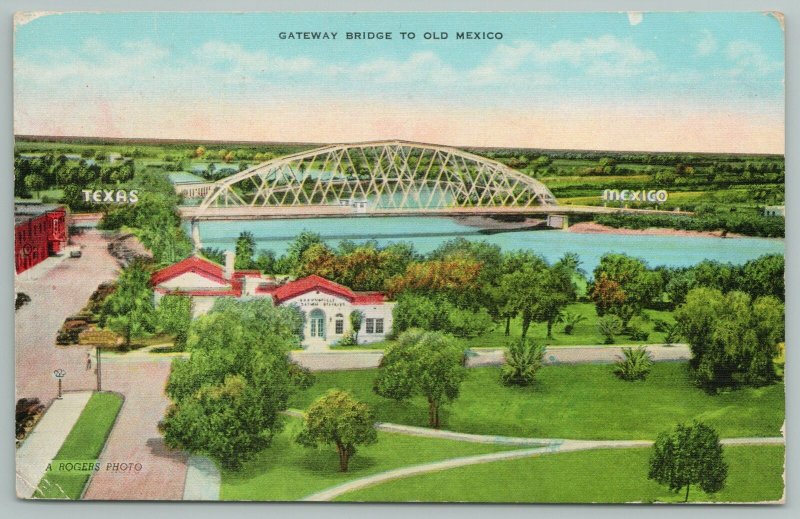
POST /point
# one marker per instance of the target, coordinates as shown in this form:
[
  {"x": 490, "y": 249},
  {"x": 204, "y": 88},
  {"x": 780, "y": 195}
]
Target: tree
[
  {"x": 764, "y": 276},
  {"x": 228, "y": 421},
  {"x": 356, "y": 319},
  {"x": 338, "y": 419},
  {"x": 523, "y": 360},
  {"x": 689, "y": 455},
  {"x": 436, "y": 313},
  {"x": 623, "y": 286},
  {"x": 450, "y": 278},
  {"x": 265, "y": 262},
  {"x": 129, "y": 310},
  {"x": 540, "y": 293},
  {"x": 732, "y": 337},
  {"x": 557, "y": 291},
  {"x": 174, "y": 317},
  {"x": 245, "y": 249},
  {"x": 319, "y": 259},
  {"x": 430, "y": 364},
  {"x": 34, "y": 183},
  {"x": 228, "y": 395},
  {"x": 291, "y": 261},
  {"x": 505, "y": 292}
]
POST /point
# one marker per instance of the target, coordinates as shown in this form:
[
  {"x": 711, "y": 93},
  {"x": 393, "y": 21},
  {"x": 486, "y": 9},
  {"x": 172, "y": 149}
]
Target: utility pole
[{"x": 99, "y": 377}]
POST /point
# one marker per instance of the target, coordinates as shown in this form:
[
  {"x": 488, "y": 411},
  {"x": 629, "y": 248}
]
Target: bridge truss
[{"x": 385, "y": 175}]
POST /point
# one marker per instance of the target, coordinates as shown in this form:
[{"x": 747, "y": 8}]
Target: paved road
[
  {"x": 364, "y": 359},
  {"x": 585, "y": 354},
  {"x": 61, "y": 292},
  {"x": 56, "y": 294},
  {"x": 135, "y": 437}
]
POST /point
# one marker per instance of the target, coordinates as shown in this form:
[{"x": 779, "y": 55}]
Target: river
[{"x": 427, "y": 233}]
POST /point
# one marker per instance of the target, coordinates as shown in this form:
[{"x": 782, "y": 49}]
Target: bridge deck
[{"x": 335, "y": 211}]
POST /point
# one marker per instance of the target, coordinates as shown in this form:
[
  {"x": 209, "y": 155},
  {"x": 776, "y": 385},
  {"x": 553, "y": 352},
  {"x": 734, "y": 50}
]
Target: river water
[{"x": 426, "y": 233}]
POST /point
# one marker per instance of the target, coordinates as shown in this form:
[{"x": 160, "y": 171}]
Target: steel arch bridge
[{"x": 388, "y": 176}]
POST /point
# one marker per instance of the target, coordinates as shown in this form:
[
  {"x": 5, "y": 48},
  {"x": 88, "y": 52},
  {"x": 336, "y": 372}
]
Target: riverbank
[
  {"x": 490, "y": 225},
  {"x": 596, "y": 228}
]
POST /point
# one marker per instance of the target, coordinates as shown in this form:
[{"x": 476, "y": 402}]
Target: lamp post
[{"x": 59, "y": 374}]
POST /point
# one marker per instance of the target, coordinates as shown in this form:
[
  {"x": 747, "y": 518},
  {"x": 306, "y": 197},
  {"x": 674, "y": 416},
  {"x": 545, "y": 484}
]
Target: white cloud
[
  {"x": 420, "y": 66},
  {"x": 707, "y": 45},
  {"x": 606, "y": 55},
  {"x": 95, "y": 60},
  {"x": 242, "y": 61},
  {"x": 749, "y": 57},
  {"x": 635, "y": 17}
]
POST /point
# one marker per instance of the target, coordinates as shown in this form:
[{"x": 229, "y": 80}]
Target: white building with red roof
[{"x": 326, "y": 305}]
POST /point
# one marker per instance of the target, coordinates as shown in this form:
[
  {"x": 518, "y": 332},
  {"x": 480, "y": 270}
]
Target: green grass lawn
[
  {"x": 602, "y": 476},
  {"x": 83, "y": 444},
  {"x": 287, "y": 471},
  {"x": 583, "y": 401},
  {"x": 585, "y": 332}
]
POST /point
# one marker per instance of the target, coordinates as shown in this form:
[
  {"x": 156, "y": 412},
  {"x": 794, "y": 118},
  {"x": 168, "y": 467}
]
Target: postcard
[{"x": 400, "y": 257}]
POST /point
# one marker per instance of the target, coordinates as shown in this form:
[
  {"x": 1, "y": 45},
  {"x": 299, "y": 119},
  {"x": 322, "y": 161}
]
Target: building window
[
  {"x": 379, "y": 325},
  {"x": 318, "y": 324},
  {"x": 370, "y": 325},
  {"x": 339, "y": 324}
]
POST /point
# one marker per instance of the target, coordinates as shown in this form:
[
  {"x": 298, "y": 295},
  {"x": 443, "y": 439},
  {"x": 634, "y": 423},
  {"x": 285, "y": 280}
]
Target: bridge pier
[
  {"x": 196, "y": 236},
  {"x": 558, "y": 221}
]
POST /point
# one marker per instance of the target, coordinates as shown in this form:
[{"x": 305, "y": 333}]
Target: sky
[{"x": 708, "y": 82}]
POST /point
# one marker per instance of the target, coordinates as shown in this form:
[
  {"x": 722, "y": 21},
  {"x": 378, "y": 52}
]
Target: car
[
  {"x": 21, "y": 299},
  {"x": 27, "y": 411},
  {"x": 75, "y": 254}
]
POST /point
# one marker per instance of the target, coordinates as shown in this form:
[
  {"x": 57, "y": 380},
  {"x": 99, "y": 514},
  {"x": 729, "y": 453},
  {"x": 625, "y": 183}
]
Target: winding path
[
  {"x": 555, "y": 446},
  {"x": 539, "y": 446}
]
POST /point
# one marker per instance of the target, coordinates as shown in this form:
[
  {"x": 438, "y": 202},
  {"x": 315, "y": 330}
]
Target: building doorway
[{"x": 317, "y": 323}]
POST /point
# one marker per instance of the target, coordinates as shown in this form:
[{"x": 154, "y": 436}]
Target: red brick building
[{"x": 40, "y": 230}]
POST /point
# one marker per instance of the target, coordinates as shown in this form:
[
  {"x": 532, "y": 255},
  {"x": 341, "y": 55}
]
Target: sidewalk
[
  {"x": 203, "y": 480},
  {"x": 46, "y": 440},
  {"x": 42, "y": 269}
]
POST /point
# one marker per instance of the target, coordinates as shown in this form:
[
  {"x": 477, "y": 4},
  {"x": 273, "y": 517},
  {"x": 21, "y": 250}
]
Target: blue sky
[{"x": 593, "y": 80}]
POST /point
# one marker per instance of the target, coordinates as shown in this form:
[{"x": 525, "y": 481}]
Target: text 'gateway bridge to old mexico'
[{"x": 383, "y": 178}]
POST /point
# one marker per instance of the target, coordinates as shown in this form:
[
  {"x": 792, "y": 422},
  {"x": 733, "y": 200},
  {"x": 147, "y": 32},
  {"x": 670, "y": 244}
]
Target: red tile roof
[
  {"x": 320, "y": 284},
  {"x": 216, "y": 273},
  {"x": 207, "y": 269}
]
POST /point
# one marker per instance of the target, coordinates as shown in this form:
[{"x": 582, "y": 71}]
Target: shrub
[
  {"x": 570, "y": 320},
  {"x": 609, "y": 326},
  {"x": 439, "y": 314},
  {"x": 634, "y": 365},
  {"x": 660, "y": 325},
  {"x": 348, "y": 339},
  {"x": 636, "y": 333},
  {"x": 523, "y": 360},
  {"x": 673, "y": 334},
  {"x": 466, "y": 323}
]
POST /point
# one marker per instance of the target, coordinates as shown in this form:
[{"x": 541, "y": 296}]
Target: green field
[
  {"x": 602, "y": 476},
  {"x": 583, "y": 401},
  {"x": 287, "y": 471},
  {"x": 84, "y": 443}
]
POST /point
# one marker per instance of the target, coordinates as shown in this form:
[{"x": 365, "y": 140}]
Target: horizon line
[{"x": 157, "y": 140}]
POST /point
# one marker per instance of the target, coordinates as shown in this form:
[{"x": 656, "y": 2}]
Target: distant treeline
[{"x": 734, "y": 222}]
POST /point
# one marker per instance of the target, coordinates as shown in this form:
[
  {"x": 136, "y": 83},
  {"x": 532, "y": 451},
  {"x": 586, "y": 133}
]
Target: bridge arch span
[{"x": 388, "y": 175}]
